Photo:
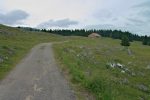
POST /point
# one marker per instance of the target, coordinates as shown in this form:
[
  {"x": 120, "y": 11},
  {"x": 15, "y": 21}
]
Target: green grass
[
  {"x": 86, "y": 61},
  {"x": 15, "y": 43}
]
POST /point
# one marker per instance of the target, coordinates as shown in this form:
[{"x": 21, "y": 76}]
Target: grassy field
[
  {"x": 15, "y": 43},
  {"x": 100, "y": 66},
  {"x": 106, "y": 69}
]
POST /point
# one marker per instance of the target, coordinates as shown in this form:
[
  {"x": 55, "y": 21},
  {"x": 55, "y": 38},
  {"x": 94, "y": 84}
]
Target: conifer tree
[
  {"x": 145, "y": 40},
  {"x": 125, "y": 41}
]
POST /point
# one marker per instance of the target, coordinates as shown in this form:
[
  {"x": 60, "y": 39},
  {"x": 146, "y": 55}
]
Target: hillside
[
  {"x": 15, "y": 43},
  {"x": 100, "y": 67},
  {"x": 106, "y": 69}
]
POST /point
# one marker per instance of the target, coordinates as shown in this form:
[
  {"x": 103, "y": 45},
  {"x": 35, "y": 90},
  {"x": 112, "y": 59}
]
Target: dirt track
[{"x": 36, "y": 77}]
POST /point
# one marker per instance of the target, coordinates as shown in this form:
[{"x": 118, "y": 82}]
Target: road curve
[{"x": 36, "y": 77}]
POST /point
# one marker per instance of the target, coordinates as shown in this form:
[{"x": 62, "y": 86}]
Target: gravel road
[{"x": 36, "y": 77}]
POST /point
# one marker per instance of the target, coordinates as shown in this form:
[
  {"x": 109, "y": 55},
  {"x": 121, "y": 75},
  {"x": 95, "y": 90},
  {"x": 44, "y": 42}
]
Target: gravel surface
[{"x": 36, "y": 77}]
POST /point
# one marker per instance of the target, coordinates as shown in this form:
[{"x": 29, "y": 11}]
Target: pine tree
[
  {"x": 125, "y": 41},
  {"x": 145, "y": 40}
]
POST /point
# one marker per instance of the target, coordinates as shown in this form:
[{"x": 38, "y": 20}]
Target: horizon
[{"x": 129, "y": 15}]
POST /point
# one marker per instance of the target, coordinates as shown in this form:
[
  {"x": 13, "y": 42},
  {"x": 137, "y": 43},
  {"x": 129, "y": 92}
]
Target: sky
[{"x": 127, "y": 15}]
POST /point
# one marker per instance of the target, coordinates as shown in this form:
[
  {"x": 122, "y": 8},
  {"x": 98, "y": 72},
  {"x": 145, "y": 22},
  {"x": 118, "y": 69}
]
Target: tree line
[{"x": 115, "y": 34}]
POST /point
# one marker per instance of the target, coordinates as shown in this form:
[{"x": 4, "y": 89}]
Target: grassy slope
[
  {"x": 86, "y": 62},
  {"x": 15, "y": 43}
]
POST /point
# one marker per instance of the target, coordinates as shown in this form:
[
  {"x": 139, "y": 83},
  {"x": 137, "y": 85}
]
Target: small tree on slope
[
  {"x": 125, "y": 41},
  {"x": 145, "y": 40}
]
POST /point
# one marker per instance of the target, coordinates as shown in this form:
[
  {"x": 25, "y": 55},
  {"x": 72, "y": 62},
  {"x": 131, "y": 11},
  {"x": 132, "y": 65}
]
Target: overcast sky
[{"x": 131, "y": 15}]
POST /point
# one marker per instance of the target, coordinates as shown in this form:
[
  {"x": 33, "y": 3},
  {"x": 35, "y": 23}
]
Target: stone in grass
[
  {"x": 122, "y": 71},
  {"x": 115, "y": 65},
  {"x": 119, "y": 65},
  {"x": 123, "y": 68},
  {"x": 112, "y": 65},
  {"x": 143, "y": 87}
]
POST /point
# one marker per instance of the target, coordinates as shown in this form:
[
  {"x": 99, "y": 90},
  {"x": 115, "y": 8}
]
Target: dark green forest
[{"x": 115, "y": 34}]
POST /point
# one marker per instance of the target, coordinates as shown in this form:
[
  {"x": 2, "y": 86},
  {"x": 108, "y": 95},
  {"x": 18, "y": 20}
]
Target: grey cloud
[
  {"x": 137, "y": 25},
  {"x": 144, "y": 8},
  {"x": 100, "y": 26},
  {"x": 131, "y": 28},
  {"x": 135, "y": 21},
  {"x": 141, "y": 30},
  {"x": 13, "y": 17},
  {"x": 144, "y": 4},
  {"x": 142, "y": 11},
  {"x": 64, "y": 23}
]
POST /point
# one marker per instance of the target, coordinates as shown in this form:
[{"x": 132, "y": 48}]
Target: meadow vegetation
[
  {"x": 100, "y": 66},
  {"x": 15, "y": 43},
  {"x": 105, "y": 68}
]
